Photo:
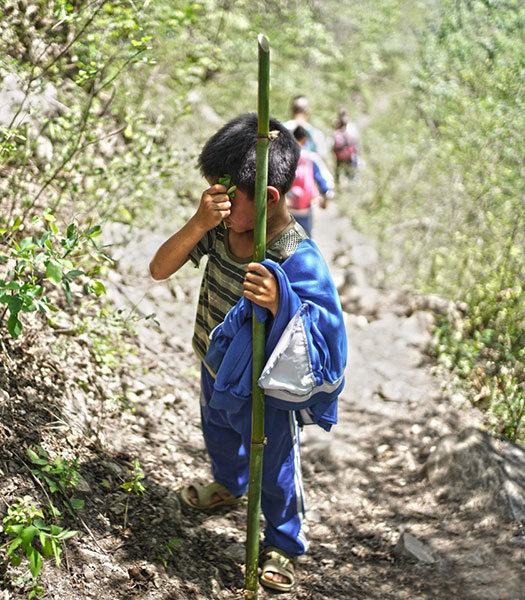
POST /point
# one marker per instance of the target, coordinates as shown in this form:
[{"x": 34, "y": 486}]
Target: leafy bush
[
  {"x": 445, "y": 192},
  {"x": 35, "y": 261},
  {"x": 32, "y": 538},
  {"x": 73, "y": 152}
]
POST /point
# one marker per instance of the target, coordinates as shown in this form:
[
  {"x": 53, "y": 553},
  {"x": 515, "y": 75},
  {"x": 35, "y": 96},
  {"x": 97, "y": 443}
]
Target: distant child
[
  {"x": 345, "y": 146},
  {"x": 305, "y": 340},
  {"x": 315, "y": 138},
  {"x": 311, "y": 180}
]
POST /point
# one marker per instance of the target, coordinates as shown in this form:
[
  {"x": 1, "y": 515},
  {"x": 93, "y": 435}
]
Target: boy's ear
[{"x": 273, "y": 195}]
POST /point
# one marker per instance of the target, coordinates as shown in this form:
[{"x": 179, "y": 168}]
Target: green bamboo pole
[{"x": 259, "y": 254}]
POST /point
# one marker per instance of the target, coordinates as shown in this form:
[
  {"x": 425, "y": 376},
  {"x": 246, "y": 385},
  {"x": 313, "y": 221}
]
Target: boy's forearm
[{"x": 175, "y": 251}]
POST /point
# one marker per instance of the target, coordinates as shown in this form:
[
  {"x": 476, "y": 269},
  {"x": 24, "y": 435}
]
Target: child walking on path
[
  {"x": 312, "y": 179},
  {"x": 292, "y": 291}
]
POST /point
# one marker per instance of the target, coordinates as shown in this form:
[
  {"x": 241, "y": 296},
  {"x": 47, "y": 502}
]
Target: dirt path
[
  {"x": 369, "y": 486},
  {"x": 364, "y": 481}
]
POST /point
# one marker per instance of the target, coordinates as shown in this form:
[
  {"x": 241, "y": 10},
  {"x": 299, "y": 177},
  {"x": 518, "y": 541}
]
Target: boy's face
[
  {"x": 241, "y": 218},
  {"x": 242, "y": 213}
]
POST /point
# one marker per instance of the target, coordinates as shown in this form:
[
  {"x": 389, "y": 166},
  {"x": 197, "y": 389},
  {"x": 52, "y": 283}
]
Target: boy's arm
[{"x": 214, "y": 206}]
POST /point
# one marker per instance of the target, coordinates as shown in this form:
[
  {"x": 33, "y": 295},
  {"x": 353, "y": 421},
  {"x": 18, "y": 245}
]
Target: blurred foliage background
[{"x": 104, "y": 105}]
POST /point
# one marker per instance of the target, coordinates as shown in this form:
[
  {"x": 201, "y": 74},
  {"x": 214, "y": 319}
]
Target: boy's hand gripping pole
[{"x": 259, "y": 254}]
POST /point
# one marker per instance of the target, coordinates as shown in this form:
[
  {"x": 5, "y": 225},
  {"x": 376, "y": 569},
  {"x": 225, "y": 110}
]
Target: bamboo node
[
  {"x": 263, "y": 443},
  {"x": 272, "y": 135}
]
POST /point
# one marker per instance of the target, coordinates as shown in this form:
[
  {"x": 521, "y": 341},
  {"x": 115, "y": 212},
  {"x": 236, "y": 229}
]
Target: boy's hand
[
  {"x": 261, "y": 287},
  {"x": 214, "y": 207}
]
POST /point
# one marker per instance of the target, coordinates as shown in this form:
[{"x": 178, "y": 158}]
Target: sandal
[
  {"x": 205, "y": 493},
  {"x": 277, "y": 561}
]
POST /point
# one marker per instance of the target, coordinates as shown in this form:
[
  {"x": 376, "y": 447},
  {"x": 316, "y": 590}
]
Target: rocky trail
[{"x": 393, "y": 511}]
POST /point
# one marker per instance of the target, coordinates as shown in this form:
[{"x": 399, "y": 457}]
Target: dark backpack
[{"x": 344, "y": 149}]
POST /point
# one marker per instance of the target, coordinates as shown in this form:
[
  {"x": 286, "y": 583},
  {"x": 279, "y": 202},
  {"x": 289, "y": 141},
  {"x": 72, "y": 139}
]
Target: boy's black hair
[
  {"x": 231, "y": 151},
  {"x": 299, "y": 133}
]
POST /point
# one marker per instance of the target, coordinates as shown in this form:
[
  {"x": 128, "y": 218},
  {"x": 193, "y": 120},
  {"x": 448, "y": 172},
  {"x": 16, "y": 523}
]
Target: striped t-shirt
[{"x": 222, "y": 283}]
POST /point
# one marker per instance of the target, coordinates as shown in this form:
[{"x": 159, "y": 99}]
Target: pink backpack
[
  {"x": 344, "y": 148},
  {"x": 303, "y": 189}
]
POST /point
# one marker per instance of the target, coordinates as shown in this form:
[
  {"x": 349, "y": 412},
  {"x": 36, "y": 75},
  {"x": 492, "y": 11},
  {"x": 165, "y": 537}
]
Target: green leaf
[
  {"x": 67, "y": 290},
  {"x": 74, "y": 273},
  {"x": 53, "y": 487},
  {"x": 14, "y": 326},
  {"x": 65, "y": 535},
  {"x": 54, "y": 228},
  {"x": 57, "y": 551},
  {"x": 41, "y": 524},
  {"x": 28, "y": 244},
  {"x": 15, "y": 304},
  {"x": 98, "y": 287},
  {"x": 94, "y": 231},
  {"x": 16, "y": 529},
  {"x": 27, "y": 536},
  {"x": 47, "y": 545},
  {"x": 35, "y": 562},
  {"x": 15, "y": 560},
  {"x": 77, "y": 503},
  {"x": 14, "y": 545},
  {"x": 71, "y": 231},
  {"x": 37, "y": 460},
  {"x": 16, "y": 224},
  {"x": 54, "y": 272}
]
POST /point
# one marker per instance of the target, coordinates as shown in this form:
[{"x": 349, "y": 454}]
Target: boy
[{"x": 282, "y": 290}]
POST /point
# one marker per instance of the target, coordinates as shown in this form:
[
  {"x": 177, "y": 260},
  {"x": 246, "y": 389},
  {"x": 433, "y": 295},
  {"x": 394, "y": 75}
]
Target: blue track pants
[{"x": 228, "y": 436}]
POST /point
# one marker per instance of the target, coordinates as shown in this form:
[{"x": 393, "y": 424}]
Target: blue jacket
[{"x": 305, "y": 344}]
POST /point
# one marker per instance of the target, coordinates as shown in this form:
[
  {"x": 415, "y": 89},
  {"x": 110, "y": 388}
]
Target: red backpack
[
  {"x": 304, "y": 189},
  {"x": 344, "y": 149}
]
